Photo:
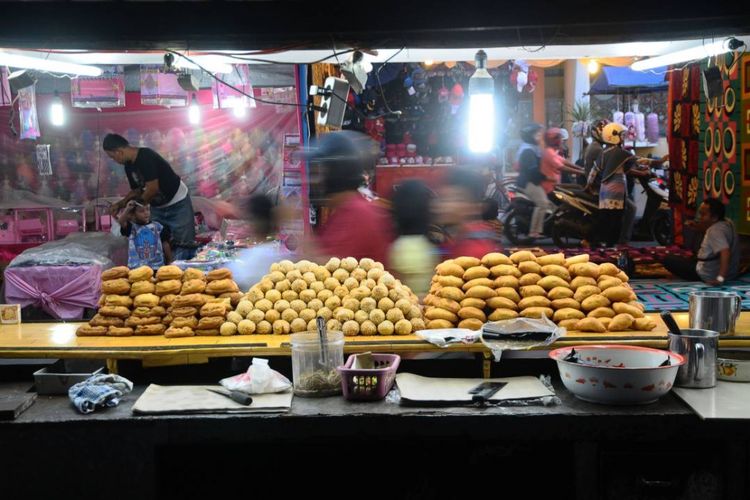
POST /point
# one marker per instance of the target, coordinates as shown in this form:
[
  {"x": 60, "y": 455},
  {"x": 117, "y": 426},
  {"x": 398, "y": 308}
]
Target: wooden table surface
[{"x": 58, "y": 340}]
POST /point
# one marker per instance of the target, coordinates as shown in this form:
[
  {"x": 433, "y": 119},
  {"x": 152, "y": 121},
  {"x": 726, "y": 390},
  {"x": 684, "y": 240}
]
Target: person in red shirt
[
  {"x": 355, "y": 227},
  {"x": 460, "y": 210}
]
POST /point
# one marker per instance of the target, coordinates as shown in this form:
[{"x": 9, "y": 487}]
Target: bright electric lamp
[
  {"x": 239, "y": 109},
  {"x": 194, "y": 112},
  {"x": 593, "y": 66},
  {"x": 481, "y": 107},
  {"x": 693, "y": 53},
  {"x": 429, "y": 62},
  {"x": 38, "y": 63},
  {"x": 57, "y": 111}
]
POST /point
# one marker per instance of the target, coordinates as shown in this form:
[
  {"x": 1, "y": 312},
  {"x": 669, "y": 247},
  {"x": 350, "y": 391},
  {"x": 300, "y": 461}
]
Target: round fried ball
[
  {"x": 273, "y": 295},
  {"x": 350, "y": 303},
  {"x": 309, "y": 277},
  {"x": 361, "y": 316},
  {"x": 343, "y": 314},
  {"x": 276, "y": 276},
  {"x": 333, "y": 264},
  {"x": 369, "y": 283},
  {"x": 228, "y": 328},
  {"x": 375, "y": 273},
  {"x": 297, "y": 305},
  {"x": 415, "y": 312},
  {"x": 272, "y": 315},
  {"x": 299, "y": 284},
  {"x": 294, "y": 275},
  {"x": 349, "y": 263},
  {"x": 404, "y": 305},
  {"x": 377, "y": 316},
  {"x": 341, "y": 292},
  {"x": 385, "y": 328},
  {"x": 281, "y": 305},
  {"x": 298, "y": 325},
  {"x": 315, "y": 304},
  {"x": 321, "y": 273},
  {"x": 286, "y": 266},
  {"x": 340, "y": 275},
  {"x": 307, "y": 295},
  {"x": 317, "y": 286},
  {"x": 394, "y": 315},
  {"x": 385, "y": 304},
  {"x": 351, "y": 283},
  {"x": 350, "y": 328},
  {"x": 360, "y": 293},
  {"x": 247, "y": 327},
  {"x": 307, "y": 314},
  {"x": 379, "y": 292},
  {"x": 235, "y": 317},
  {"x": 358, "y": 274},
  {"x": 264, "y": 328},
  {"x": 368, "y": 304},
  {"x": 312, "y": 326},
  {"x": 325, "y": 313},
  {"x": 417, "y": 324},
  {"x": 333, "y": 302},
  {"x": 325, "y": 295},
  {"x": 290, "y": 295},
  {"x": 332, "y": 283},
  {"x": 366, "y": 263},
  {"x": 388, "y": 280},
  {"x": 265, "y": 285},
  {"x": 368, "y": 328},
  {"x": 289, "y": 315},
  {"x": 255, "y": 293},
  {"x": 264, "y": 305},
  {"x": 281, "y": 327},
  {"x": 244, "y": 307},
  {"x": 403, "y": 327},
  {"x": 333, "y": 325},
  {"x": 256, "y": 315},
  {"x": 283, "y": 286}
]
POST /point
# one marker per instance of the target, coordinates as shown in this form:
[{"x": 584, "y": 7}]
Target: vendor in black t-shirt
[{"x": 152, "y": 179}]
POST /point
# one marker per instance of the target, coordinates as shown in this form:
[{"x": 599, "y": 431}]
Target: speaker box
[
  {"x": 333, "y": 103},
  {"x": 713, "y": 85},
  {"x": 188, "y": 82}
]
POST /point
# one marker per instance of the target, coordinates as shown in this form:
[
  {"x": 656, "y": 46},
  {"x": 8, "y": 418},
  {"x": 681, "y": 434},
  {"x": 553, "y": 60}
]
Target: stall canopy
[{"x": 616, "y": 80}]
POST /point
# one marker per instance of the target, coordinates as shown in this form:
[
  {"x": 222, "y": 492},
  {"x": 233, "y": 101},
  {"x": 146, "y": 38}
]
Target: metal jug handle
[
  {"x": 700, "y": 355},
  {"x": 737, "y": 309}
]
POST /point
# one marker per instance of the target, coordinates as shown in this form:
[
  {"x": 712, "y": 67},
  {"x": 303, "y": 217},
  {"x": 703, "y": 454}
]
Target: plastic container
[
  {"x": 369, "y": 385},
  {"x": 313, "y": 378},
  {"x": 64, "y": 374}
]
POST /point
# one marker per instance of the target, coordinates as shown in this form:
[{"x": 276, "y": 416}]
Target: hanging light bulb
[
  {"x": 593, "y": 66},
  {"x": 194, "y": 111},
  {"x": 429, "y": 62},
  {"x": 239, "y": 107},
  {"x": 57, "y": 111},
  {"x": 481, "y": 107}
]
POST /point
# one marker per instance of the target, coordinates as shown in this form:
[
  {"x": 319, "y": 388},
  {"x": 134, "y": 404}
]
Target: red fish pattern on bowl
[{"x": 617, "y": 374}]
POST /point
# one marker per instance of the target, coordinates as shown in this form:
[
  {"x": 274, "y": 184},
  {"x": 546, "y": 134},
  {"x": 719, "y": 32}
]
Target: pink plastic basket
[{"x": 369, "y": 385}]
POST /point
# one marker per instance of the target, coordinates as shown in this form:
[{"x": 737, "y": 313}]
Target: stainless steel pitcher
[
  {"x": 700, "y": 349},
  {"x": 716, "y": 311}
]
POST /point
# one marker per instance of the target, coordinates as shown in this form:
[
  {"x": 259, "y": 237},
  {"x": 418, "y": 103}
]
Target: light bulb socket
[{"x": 480, "y": 59}]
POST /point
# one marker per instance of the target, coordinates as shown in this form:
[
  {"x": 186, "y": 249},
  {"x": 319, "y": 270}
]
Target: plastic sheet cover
[{"x": 77, "y": 249}]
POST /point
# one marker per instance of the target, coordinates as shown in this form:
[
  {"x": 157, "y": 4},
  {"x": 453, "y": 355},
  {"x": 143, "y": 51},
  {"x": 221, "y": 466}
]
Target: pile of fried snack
[
  {"x": 170, "y": 302},
  {"x": 577, "y": 294},
  {"x": 357, "y": 297}
]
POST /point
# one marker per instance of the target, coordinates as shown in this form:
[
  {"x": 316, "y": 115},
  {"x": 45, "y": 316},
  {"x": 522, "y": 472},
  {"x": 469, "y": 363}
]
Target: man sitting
[{"x": 718, "y": 258}]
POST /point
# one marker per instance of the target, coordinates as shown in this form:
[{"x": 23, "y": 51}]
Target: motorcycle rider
[
  {"x": 614, "y": 165},
  {"x": 553, "y": 164},
  {"x": 530, "y": 176},
  {"x": 594, "y": 150}
]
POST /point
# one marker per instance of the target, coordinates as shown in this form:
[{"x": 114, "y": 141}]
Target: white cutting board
[
  {"x": 726, "y": 400},
  {"x": 448, "y": 390},
  {"x": 186, "y": 399}
]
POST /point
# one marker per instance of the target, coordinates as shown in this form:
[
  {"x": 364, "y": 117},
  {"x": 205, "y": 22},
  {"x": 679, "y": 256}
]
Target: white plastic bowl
[{"x": 617, "y": 374}]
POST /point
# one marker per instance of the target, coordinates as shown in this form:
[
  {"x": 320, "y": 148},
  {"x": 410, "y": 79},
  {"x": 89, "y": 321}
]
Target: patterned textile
[{"x": 658, "y": 295}]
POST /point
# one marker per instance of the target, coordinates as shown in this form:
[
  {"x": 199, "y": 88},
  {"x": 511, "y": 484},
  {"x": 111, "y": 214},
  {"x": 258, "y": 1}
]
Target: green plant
[{"x": 580, "y": 111}]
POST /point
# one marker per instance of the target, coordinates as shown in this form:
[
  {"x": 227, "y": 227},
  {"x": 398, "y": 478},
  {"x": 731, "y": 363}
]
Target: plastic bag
[
  {"x": 520, "y": 334},
  {"x": 258, "y": 379}
]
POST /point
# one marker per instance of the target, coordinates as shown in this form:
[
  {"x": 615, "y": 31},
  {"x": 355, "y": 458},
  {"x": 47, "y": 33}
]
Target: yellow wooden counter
[{"x": 58, "y": 340}]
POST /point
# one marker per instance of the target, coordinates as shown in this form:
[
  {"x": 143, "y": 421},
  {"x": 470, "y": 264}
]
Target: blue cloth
[
  {"x": 144, "y": 246},
  {"x": 99, "y": 391},
  {"x": 180, "y": 220}
]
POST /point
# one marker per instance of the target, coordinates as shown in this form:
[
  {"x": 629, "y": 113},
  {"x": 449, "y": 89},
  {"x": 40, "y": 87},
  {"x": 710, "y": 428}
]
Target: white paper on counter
[
  {"x": 726, "y": 400},
  {"x": 419, "y": 389},
  {"x": 181, "y": 399}
]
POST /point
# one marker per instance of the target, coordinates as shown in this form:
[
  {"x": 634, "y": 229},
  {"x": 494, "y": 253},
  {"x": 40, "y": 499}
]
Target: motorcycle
[
  {"x": 517, "y": 219},
  {"x": 577, "y": 212}
]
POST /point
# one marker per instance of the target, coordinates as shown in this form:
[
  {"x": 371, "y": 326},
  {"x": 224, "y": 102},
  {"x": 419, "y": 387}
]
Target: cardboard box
[{"x": 10, "y": 314}]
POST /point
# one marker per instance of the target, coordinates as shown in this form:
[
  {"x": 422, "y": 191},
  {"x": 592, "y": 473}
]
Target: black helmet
[
  {"x": 342, "y": 158},
  {"x": 529, "y": 131}
]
